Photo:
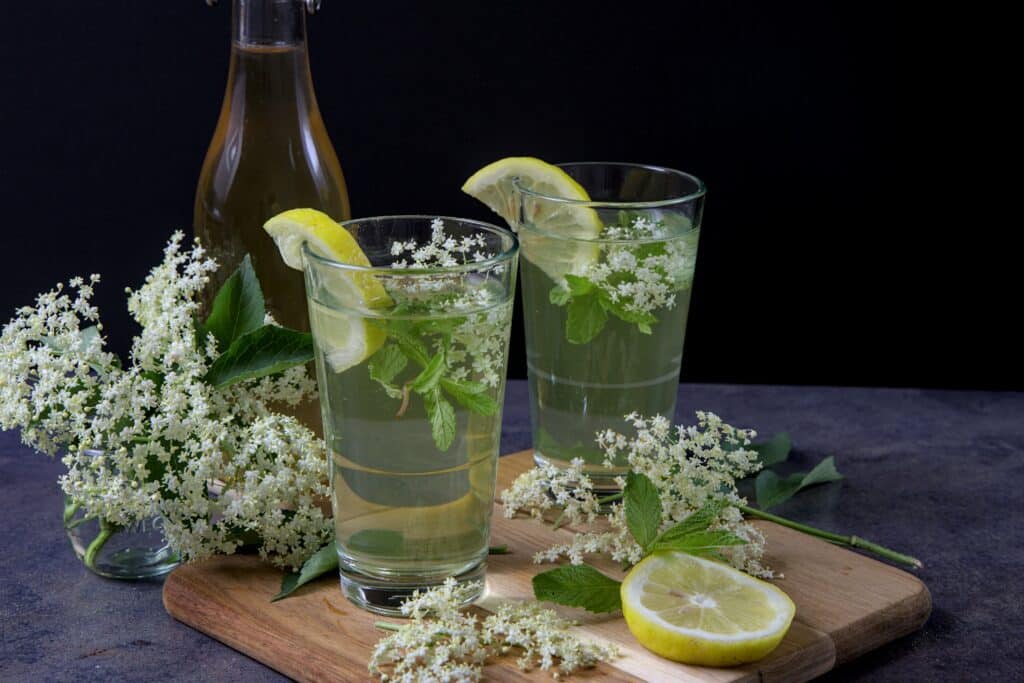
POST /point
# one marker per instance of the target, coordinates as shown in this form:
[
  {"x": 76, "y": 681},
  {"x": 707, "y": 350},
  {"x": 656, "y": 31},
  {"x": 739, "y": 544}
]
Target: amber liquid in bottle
[{"x": 270, "y": 152}]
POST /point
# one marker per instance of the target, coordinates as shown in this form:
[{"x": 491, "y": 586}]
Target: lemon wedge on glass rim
[
  {"x": 699, "y": 611},
  {"x": 346, "y": 340},
  {"x": 563, "y": 229}
]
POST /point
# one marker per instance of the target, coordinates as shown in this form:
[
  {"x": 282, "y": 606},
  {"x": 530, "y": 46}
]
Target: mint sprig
[
  {"x": 586, "y": 587},
  {"x": 432, "y": 384},
  {"x": 588, "y": 307}
]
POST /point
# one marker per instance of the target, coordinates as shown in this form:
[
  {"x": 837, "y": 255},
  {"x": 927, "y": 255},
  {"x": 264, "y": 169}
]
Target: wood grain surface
[{"x": 847, "y": 604}]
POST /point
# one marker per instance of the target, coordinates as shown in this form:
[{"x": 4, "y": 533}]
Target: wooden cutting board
[{"x": 847, "y": 604}]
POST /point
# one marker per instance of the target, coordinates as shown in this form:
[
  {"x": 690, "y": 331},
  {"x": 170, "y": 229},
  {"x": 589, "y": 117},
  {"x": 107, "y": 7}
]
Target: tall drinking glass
[
  {"x": 606, "y": 293},
  {"x": 411, "y": 354}
]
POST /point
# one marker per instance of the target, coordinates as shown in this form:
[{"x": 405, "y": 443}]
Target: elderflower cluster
[
  {"x": 644, "y": 276},
  {"x": 441, "y": 642},
  {"x": 478, "y": 343},
  {"x": 441, "y": 251},
  {"x": 689, "y": 466},
  {"x": 216, "y": 464}
]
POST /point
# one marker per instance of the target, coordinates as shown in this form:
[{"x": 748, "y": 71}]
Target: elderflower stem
[
  {"x": 849, "y": 541},
  {"x": 106, "y": 531},
  {"x": 386, "y": 626}
]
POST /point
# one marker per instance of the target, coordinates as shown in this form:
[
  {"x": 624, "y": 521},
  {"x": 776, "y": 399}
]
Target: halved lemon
[
  {"x": 345, "y": 338},
  {"x": 698, "y": 611},
  {"x": 574, "y": 224}
]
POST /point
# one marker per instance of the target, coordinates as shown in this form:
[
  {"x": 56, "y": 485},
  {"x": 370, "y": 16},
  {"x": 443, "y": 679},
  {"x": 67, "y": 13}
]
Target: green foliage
[{"x": 772, "y": 489}]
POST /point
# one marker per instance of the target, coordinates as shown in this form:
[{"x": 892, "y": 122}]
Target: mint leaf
[
  {"x": 410, "y": 345},
  {"x": 578, "y": 586},
  {"x": 585, "y": 320},
  {"x": 265, "y": 351},
  {"x": 385, "y": 365},
  {"x": 643, "y": 508},
  {"x": 559, "y": 295},
  {"x": 698, "y": 521},
  {"x": 322, "y": 561},
  {"x": 442, "y": 419},
  {"x": 428, "y": 378},
  {"x": 238, "y": 307},
  {"x": 579, "y": 286},
  {"x": 772, "y": 489},
  {"x": 471, "y": 395},
  {"x": 702, "y": 543},
  {"x": 642, "y": 319}
]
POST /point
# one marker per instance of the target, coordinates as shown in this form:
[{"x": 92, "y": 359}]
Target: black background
[{"x": 850, "y": 150}]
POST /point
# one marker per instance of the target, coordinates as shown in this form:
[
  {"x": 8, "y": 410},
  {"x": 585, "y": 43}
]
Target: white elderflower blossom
[
  {"x": 217, "y": 464},
  {"x": 690, "y": 466},
  {"x": 442, "y": 642},
  {"x": 643, "y": 266}
]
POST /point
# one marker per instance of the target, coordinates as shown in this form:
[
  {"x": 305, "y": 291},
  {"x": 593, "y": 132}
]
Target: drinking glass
[
  {"x": 411, "y": 354},
  {"x": 606, "y": 294}
]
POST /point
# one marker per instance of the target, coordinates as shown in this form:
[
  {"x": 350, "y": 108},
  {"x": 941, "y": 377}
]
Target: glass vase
[{"x": 136, "y": 551}]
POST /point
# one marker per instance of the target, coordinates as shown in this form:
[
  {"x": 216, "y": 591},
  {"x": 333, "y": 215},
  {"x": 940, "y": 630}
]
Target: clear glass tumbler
[
  {"x": 606, "y": 294},
  {"x": 411, "y": 355}
]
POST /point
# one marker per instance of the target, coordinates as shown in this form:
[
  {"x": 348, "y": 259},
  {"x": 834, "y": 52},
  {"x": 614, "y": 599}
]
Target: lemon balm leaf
[
  {"x": 578, "y": 586},
  {"x": 265, "y": 351},
  {"x": 238, "y": 308},
  {"x": 643, "y": 508},
  {"x": 773, "y": 490}
]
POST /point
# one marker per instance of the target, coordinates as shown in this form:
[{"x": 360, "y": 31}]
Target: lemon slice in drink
[
  {"x": 492, "y": 185},
  {"x": 346, "y": 339},
  {"x": 698, "y": 611}
]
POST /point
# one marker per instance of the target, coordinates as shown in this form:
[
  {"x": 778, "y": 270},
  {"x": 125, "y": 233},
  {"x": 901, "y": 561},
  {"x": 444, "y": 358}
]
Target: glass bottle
[{"x": 269, "y": 153}]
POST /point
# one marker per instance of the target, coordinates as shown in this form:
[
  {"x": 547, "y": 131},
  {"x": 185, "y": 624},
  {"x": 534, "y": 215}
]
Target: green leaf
[
  {"x": 578, "y": 586},
  {"x": 699, "y": 543},
  {"x": 471, "y": 395},
  {"x": 262, "y": 352},
  {"x": 238, "y": 308},
  {"x": 442, "y": 419},
  {"x": 323, "y": 561},
  {"x": 585, "y": 320},
  {"x": 429, "y": 377},
  {"x": 385, "y": 365},
  {"x": 697, "y": 522},
  {"x": 578, "y": 286},
  {"x": 384, "y": 542},
  {"x": 409, "y": 344},
  {"x": 559, "y": 296},
  {"x": 643, "y": 508},
  {"x": 772, "y": 489},
  {"x": 774, "y": 450}
]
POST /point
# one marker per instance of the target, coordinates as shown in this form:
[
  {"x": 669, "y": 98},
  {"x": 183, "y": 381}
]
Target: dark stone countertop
[{"x": 936, "y": 474}]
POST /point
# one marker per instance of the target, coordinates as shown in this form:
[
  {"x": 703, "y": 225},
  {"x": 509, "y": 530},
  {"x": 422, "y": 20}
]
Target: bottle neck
[
  {"x": 269, "y": 62},
  {"x": 268, "y": 23}
]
